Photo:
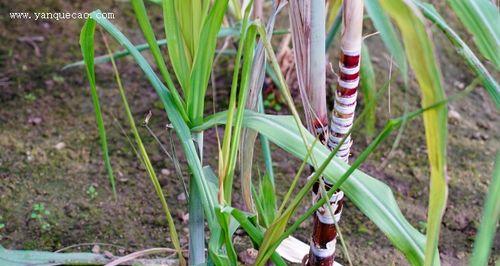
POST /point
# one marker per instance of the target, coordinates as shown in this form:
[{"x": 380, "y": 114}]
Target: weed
[
  {"x": 30, "y": 97},
  {"x": 92, "y": 192},
  {"x": 273, "y": 102},
  {"x": 2, "y": 225},
  {"x": 41, "y": 215}
]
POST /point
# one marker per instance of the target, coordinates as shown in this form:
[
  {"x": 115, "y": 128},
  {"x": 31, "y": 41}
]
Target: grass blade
[
  {"x": 176, "y": 46},
  {"x": 248, "y": 52},
  {"x": 481, "y": 18},
  {"x": 491, "y": 214},
  {"x": 254, "y": 102},
  {"x": 24, "y": 257},
  {"x": 146, "y": 162},
  {"x": 87, "y": 47},
  {"x": 179, "y": 125},
  {"x": 367, "y": 86},
  {"x": 370, "y": 195},
  {"x": 228, "y": 152},
  {"x": 147, "y": 30},
  {"x": 474, "y": 63},
  {"x": 421, "y": 56},
  {"x": 202, "y": 62},
  {"x": 388, "y": 34}
]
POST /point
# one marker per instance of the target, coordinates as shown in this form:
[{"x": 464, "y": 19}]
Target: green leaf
[
  {"x": 87, "y": 47},
  {"x": 248, "y": 52},
  {"x": 474, "y": 63},
  {"x": 224, "y": 219},
  {"x": 491, "y": 214},
  {"x": 179, "y": 125},
  {"x": 176, "y": 45},
  {"x": 202, "y": 62},
  {"x": 371, "y": 196},
  {"x": 268, "y": 198},
  {"x": 24, "y": 257},
  {"x": 254, "y": 232},
  {"x": 367, "y": 85},
  {"x": 481, "y": 18},
  {"x": 254, "y": 102},
  {"x": 147, "y": 30},
  {"x": 422, "y": 59},
  {"x": 144, "y": 158},
  {"x": 388, "y": 34}
]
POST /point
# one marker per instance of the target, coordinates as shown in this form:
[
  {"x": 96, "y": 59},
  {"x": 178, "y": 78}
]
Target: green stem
[{"x": 196, "y": 217}]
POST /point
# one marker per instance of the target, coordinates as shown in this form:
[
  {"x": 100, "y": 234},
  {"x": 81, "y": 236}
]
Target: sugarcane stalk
[
  {"x": 307, "y": 19},
  {"x": 348, "y": 80},
  {"x": 324, "y": 236},
  {"x": 317, "y": 71}
]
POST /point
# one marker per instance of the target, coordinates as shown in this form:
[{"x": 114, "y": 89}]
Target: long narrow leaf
[
  {"x": 254, "y": 102},
  {"x": 475, "y": 64},
  {"x": 368, "y": 88},
  {"x": 145, "y": 159},
  {"x": 491, "y": 214},
  {"x": 202, "y": 63},
  {"x": 370, "y": 195},
  {"x": 421, "y": 56},
  {"x": 481, "y": 18},
  {"x": 388, "y": 34},
  {"x": 27, "y": 257},
  {"x": 176, "y": 46},
  {"x": 87, "y": 47},
  {"x": 142, "y": 18},
  {"x": 248, "y": 50},
  {"x": 173, "y": 114}
]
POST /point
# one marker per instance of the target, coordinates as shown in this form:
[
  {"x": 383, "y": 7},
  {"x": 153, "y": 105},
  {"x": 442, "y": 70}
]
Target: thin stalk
[
  {"x": 196, "y": 217},
  {"x": 230, "y": 118},
  {"x": 266, "y": 149},
  {"x": 295, "y": 179},
  {"x": 172, "y": 158}
]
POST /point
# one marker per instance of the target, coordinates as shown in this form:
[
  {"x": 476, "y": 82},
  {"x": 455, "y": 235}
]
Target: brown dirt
[{"x": 42, "y": 106}]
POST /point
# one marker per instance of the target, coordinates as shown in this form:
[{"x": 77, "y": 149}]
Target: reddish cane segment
[
  {"x": 345, "y": 103},
  {"x": 324, "y": 237},
  {"x": 307, "y": 20}
]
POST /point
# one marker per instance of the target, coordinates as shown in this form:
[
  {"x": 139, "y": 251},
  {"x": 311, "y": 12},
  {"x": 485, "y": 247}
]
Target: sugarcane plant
[
  {"x": 192, "y": 29},
  {"x": 308, "y": 21}
]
